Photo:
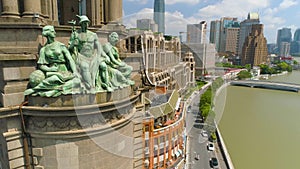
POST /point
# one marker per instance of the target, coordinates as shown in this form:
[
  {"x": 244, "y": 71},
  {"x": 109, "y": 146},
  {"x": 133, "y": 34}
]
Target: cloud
[
  {"x": 273, "y": 20},
  {"x": 234, "y": 8},
  {"x": 287, "y": 3},
  {"x": 175, "y": 21},
  {"x": 171, "y": 2},
  {"x": 130, "y": 20},
  {"x": 139, "y": 1}
]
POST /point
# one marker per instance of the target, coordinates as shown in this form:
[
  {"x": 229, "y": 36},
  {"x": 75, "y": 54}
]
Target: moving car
[
  {"x": 214, "y": 163},
  {"x": 197, "y": 157},
  {"x": 210, "y": 147},
  {"x": 204, "y": 133}
]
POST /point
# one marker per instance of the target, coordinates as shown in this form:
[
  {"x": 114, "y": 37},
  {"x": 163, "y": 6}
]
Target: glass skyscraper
[
  {"x": 159, "y": 15},
  {"x": 284, "y": 38},
  {"x": 297, "y": 35},
  {"x": 284, "y": 35},
  {"x": 295, "y": 44}
]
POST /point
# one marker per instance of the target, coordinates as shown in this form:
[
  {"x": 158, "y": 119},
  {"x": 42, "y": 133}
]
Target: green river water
[{"x": 260, "y": 127}]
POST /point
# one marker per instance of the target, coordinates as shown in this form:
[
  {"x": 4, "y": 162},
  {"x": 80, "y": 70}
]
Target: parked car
[
  {"x": 214, "y": 163},
  {"x": 210, "y": 147},
  {"x": 204, "y": 133}
]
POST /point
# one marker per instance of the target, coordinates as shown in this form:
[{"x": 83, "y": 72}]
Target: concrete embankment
[
  {"x": 221, "y": 142},
  {"x": 223, "y": 149}
]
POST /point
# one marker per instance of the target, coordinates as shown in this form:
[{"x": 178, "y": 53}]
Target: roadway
[{"x": 197, "y": 142}]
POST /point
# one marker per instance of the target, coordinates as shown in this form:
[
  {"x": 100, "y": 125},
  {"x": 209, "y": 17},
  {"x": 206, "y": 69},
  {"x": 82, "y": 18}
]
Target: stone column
[
  {"x": 32, "y": 7},
  {"x": 53, "y": 8},
  {"x": 10, "y": 9},
  {"x": 120, "y": 10},
  {"x": 95, "y": 12},
  {"x": 114, "y": 10},
  {"x": 135, "y": 44},
  {"x": 45, "y": 8}
]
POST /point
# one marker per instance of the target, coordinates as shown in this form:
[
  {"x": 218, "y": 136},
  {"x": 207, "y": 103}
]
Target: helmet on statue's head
[{"x": 83, "y": 18}]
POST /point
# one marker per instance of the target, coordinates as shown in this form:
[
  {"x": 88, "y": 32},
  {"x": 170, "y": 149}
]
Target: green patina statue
[
  {"x": 115, "y": 62},
  {"x": 83, "y": 67},
  {"x": 90, "y": 57},
  {"x": 57, "y": 73}
]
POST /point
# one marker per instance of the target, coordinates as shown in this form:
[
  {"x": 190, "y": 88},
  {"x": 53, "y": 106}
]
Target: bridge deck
[{"x": 268, "y": 85}]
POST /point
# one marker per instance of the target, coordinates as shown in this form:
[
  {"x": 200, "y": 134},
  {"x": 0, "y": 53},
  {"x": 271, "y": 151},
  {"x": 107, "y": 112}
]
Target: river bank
[{"x": 258, "y": 124}]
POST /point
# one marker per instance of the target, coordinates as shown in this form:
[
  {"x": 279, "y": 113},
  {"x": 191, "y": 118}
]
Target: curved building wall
[
  {"x": 167, "y": 148},
  {"x": 164, "y": 147}
]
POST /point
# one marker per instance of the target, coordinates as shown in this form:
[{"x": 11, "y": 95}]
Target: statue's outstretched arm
[
  {"x": 113, "y": 59},
  {"x": 69, "y": 58},
  {"x": 101, "y": 52},
  {"x": 73, "y": 42}
]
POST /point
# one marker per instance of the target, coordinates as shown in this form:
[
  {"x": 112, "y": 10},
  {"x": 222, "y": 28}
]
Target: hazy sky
[{"x": 274, "y": 14}]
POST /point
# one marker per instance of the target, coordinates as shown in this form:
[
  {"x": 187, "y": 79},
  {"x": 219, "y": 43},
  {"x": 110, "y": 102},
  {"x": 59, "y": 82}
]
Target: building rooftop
[
  {"x": 164, "y": 104},
  {"x": 253, "y": 15}
]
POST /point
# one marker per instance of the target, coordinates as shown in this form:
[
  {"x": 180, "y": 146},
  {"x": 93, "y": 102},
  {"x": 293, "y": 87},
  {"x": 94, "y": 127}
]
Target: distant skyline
[{"x": 274, "y": 14}]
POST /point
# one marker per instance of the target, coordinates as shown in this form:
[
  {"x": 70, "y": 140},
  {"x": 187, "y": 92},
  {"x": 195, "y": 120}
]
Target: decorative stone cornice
[{"x": 79, "y": 121}]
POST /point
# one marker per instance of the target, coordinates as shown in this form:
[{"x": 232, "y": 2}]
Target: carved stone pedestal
[{"x": 82, "y": 131}]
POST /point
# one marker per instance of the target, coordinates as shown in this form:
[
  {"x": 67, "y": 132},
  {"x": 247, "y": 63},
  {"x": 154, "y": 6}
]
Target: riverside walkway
[{"x": 267, "y": 85}]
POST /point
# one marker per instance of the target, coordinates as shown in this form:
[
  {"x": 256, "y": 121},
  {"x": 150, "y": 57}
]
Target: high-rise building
[
  {"x": 284, "y": 49},
  {"x": 159, "y": 15},
  {"x": 295, "y": 48},
  {"x": 297, "y": 35},
  {"x": 225, "y": 22},
  {"x": 196, "y": 33},
  {"x": 204, "y": 55},
  {"x": 214, "y": 35},
  {"x": 255, "y": 50},
  {"x": 271, "y": 48},
  {"x": 224, "y": 34},
  {"x": 295, "y": 44},
  {"x": 147, "y": 24},
  {"x": 231, "y": 39},
  {"x": 245, "y": 29},
  {"x": 283, "y": 35}
]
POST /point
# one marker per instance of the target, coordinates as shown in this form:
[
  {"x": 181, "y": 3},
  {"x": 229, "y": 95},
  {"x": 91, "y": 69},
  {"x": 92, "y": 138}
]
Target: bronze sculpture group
[{"x": 84, "y": 66}]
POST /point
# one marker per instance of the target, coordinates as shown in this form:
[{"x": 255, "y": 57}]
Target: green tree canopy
[{"x": 244, "y": 74}]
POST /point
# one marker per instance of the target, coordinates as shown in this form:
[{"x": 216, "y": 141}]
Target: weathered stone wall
[
  {"x": 101, "y": 151},
  {"x": 11, "y": 142}
]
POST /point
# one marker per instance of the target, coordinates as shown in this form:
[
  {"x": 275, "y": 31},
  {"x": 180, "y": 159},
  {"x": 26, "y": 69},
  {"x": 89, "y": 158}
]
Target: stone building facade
[
  {"x": 168, "y": 76},
  {"x": 204, "y": 56},
  {"x": 160, "y": 59},
  {"x": 255, "y": 49}
]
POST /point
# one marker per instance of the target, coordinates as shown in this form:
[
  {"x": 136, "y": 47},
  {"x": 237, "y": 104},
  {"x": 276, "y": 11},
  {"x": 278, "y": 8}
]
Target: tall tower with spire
[{"x": 159, "y": 15}]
